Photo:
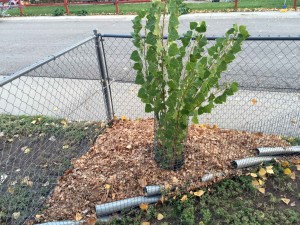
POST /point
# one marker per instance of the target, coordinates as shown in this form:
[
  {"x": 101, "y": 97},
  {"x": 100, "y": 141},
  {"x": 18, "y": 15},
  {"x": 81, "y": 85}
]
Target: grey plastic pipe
[
  {"x": 153, "y": 190},
  {"x": 67, "y": 222},
  {"x": 107, "y": 219},
  {"x": 112, "y": 207},
  {"x": 278, "y": 151},
  {"x": 210, "y": 176},
  {"x": 252, "y": 161}
]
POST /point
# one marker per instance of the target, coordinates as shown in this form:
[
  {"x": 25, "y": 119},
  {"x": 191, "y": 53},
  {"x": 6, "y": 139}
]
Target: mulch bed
[{"x": 121, "y": 163}]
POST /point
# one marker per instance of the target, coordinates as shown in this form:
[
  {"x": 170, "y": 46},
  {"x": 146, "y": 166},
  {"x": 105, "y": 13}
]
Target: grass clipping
[{"x": 121, "y": 163}]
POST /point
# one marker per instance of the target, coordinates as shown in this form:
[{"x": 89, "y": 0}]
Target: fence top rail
[
  {"x": 257, "y": 38},
  {"x": 33, "y": 66}
]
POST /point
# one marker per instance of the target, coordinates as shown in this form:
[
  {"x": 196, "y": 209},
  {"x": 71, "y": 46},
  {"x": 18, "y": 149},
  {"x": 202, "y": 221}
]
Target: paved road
[{"x": 23, "y": 41}]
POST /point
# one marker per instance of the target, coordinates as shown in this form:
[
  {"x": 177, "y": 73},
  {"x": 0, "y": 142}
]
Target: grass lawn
[
  {"x": 232, "y": 201},
  {"x": 134, "y": 8},
  {"x": 34, "y": 151}
]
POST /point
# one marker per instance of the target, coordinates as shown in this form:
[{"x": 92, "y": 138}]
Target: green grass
[
  {"x": 134, "y": 8},
  {"x": 232, "y": 201}
]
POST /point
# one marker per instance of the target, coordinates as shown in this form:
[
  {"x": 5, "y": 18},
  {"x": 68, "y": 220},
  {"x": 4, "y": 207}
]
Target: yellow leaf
[
  {"x": 253, "y": 101},
  {"x": 285, "y": 164},
  {"x": 175, "y": 180},
  {"x": 293, "y": 176},
  {"x": 33, "y": 121},
  {"x": 144, "y": 206},
  {"x": 10, "y": 189},
  {"x": 296, "y": 161},
  {"x": 184, "y": 198},
  {"x": 253, "y": 174},
  {"x": 287, "y": 171},
  {"x": 64, "y": 123},
  {"x": 78, "y": 217},
  {"x": 65, "y": 146},
  {"x": 38, "y": 216},
  {"x": 107, "y": 186},
  {"x": 203, "y": 126},
  {"x": 40, "y": 119},
  {"x": 123, "y": 118},
  {"x": 262, "y": 172},
  {"x": 261, "y": 182},
  {"x": 255, "y": 183},
  {"x": 215, "y": 126},
  {"x": 286, "y": 200},
  {"x": 27, "y": 150},
  {"x": 269, "y": 169},
  {"x": 16, "y": 215},
  {"x": 199, "y": 193},
  {"x": 10, "y": 140},
  {"x": 145, "y": 223},
  {"x": 298, "y": 167},
  {"x": 167, "y": 186},
  {"x": 160, "y": 216},
  {"x": 262, "y": 190}
]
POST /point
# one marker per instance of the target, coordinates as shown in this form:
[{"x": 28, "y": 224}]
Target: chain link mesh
[
  {"x": 53, "y": 112},
  {"x": 48, "y": 116}
]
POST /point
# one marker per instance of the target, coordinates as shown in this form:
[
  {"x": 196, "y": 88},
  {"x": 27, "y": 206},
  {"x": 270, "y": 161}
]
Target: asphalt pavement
[{"x": 25, "y": 40}]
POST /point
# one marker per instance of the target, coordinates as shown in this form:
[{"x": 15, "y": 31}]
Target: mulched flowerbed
[{"x": 121, "y": 163}]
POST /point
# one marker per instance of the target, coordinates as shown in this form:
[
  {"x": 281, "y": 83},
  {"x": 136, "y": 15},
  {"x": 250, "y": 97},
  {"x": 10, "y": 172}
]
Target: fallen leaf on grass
[
  {"x": 26, "y": 149},
  {"x": 285, "y": 164},
  {"x": 144, "y": 206},
  {"x": 253, "y": 174},
  {"x": 16, "y": 215},
  {"x": 255, "y": 183},
  {"x": 64, "y": 123},
  {"x": 38, "y": 216},
  {"x": 262, "y": 172},
  {"x": 293, "y": 204},
  {"x": 123, "y": 118},
  {"x": 33, "y": 122},
  {"x": 52, "y": 138},
  {"x": 10, "y": 190},
  {"x": 10, "y": 140},
  {"x": 160, "y": 216},
  {"x": 145, "y": 223},
  {"x": 261, "y": 182},
  {"x": 285, "y": 200},
  {"x": 199, "y": 193},
  {"x": 293, "y": 175},
  {"x": 26, "y": 180},
  {"x": 287, "y": 171},
  {"x": 65, "y": 146},
  {"x": 184, "y": 198},
  {"x": 175, "y": 180},
  {"x": 78, "y": 216},
  {"x": 1, "y": 134},
  {"x": 262, "y": 190},
  {"x": 298, "y": 167},
  {"x": 269, "y": 170}
]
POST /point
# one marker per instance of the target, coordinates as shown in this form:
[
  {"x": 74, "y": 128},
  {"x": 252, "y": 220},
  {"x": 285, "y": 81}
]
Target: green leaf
[
  {"x": 201, "y": 28},
  {"x": 244, "y": 32},
  {"x": 139, "y": 79},
  {"x": 195, "y": 117},
  {"x": 186, "y": 38},
  {"x": 135, "y": 56},
  {"x": 193, "y": 25},
  {"x": 234, "y": 87},
  {"x": 148, "y": 108},
  {"x": 151, "y": 39},
  {"x": 173, "y": 50},
  {"x": 142, "y": 93},
  {"x": 206, "y": 109},
  {"x": 220, "y": 99}
]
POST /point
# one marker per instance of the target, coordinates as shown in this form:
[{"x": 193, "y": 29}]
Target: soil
[{"x": 121, "y": 163}]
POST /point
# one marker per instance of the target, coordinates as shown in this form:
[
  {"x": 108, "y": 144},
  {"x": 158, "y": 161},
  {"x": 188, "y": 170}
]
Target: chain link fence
[{"x": 52, "y": 111}]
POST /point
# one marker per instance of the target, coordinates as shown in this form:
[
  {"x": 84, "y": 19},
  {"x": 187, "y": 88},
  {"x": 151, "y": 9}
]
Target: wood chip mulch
[{"x": 121, "y": 163}]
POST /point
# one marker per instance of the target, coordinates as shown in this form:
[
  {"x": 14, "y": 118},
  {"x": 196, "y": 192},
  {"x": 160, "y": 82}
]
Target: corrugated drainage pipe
[
  {"x": 67, "y": 222},
  {"x": 252, "y": 161},
  {"x": 153, "y": 190},
  {"x": 210, "y": 176},
  {"x": 112, "y": 207},
  {"x": 278, "y": 151}
]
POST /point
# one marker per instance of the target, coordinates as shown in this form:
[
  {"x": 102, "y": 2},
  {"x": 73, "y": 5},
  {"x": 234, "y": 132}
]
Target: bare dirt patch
[{"x": 122, "y": 159}]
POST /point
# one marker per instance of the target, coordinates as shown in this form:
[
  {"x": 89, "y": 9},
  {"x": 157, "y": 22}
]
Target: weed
[
  {"x": 82, "y": 12},
  {"x": 58, "y": 12}
]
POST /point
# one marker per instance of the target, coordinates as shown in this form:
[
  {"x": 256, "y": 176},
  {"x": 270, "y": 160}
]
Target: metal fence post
[{"x": 104, "y": 77}]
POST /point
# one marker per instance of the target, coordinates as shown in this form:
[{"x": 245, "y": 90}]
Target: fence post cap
[{"x": 95, "y": 31}]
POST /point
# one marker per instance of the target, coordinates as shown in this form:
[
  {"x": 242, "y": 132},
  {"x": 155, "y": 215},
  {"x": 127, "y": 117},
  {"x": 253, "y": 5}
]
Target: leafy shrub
[
  {"x": 179, "y": 77},
  {"x": 82, "y": 12},
  {"x": 58, "y": 12}
]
